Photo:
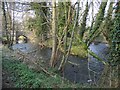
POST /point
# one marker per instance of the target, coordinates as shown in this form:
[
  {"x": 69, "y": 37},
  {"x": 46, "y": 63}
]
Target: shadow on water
[{"x": 72, "y": 72}]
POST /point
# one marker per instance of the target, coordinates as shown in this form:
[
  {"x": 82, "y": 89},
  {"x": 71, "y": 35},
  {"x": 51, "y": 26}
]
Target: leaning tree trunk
[
  {"x": 98, "y": 22},
  {"x": 108, "y": 25},
  {"x": 65, "y": 36},
  {"x": 62, "y": 65},
  {"x": 53, "y": 56}
]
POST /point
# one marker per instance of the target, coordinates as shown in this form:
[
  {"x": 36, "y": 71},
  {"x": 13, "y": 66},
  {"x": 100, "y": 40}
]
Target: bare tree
[
  {"x": 13, "y": 30},
  {"x": 5, "y": 22}
]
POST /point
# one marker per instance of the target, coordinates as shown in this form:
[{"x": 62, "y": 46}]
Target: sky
[{"x": 20, "y": 15}]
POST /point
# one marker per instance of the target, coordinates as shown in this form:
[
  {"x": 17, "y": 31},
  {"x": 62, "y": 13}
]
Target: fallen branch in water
[
  {"x": 73, "y": 63},
  {"x": 97, "y": 57}
]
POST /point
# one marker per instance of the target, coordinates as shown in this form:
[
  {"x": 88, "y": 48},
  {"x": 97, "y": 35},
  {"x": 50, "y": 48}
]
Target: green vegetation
[
  {"x": 77, "y": 49},
  {"x": 83, "y": 24},
  {"x": 61, "y": 26},
  {"x": 115, "y": 37},
  {"x": 39, "y": 24},
  {"x": 24, "y": 77},
  {"x": 99, "y": 19}
]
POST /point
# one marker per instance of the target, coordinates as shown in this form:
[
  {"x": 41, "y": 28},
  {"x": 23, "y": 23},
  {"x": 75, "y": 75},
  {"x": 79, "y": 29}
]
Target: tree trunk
[
  {"x": 108, "y": 25},
  {"x": 98, "y": 22},
  {"x": 83, "y": 24},
  {"x": 12, "y": 26},
  {"x": 54, "y": 41},
  {"x": 5, "y": 25},
  {"x": 70, "y": 45},
  {"x": 65, "y": 36}
]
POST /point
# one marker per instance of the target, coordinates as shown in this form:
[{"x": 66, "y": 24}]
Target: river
[{"x": 84, "y": 72}]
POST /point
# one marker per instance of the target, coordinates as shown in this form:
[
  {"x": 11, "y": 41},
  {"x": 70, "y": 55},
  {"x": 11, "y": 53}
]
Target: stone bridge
[{"x": 18, "y": 34}]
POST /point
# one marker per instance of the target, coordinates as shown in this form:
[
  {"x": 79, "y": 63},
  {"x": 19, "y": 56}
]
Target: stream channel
[{"x": 84, "y": 72}]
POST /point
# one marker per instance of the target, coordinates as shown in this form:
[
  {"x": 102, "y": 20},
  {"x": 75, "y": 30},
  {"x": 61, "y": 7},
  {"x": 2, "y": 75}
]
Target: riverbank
[
  {"x": 76, "y": 69},
  {"x": 18, "y": 74},
  {"x": 76, "y": 49}
]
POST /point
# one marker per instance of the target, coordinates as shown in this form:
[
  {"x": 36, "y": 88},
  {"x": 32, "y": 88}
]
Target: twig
[
  {"x": 93, "y": 71},
  {"x": 73, "y": 63}
]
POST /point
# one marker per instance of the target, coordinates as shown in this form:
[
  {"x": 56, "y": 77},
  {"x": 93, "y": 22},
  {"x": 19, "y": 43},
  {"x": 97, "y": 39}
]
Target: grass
[
  {"x": 24, "y": 77},
  {"x": 79, "y": 50},
  {"x": 76, "y": 49},
  {"x": 48, "y": 43}
]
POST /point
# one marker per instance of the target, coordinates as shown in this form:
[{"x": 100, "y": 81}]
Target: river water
[{"x": 84, "y": 72}]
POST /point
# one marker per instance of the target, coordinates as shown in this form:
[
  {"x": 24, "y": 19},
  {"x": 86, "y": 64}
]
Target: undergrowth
[
  {"x": 24, "y": 77},
  {"x": 76, "y": 49}
]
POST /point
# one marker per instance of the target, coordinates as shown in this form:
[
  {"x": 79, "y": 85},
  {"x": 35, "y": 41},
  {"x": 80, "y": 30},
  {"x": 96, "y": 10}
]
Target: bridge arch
[{"x": 21, "y": 36}]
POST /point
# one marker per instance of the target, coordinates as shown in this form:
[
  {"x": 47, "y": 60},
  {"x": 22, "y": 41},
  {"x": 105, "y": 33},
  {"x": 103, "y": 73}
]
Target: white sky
[{"x": 20, "y": 15}]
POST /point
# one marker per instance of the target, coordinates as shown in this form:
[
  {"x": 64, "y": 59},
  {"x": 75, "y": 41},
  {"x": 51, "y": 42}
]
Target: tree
[
  {"x": 108, "y": 24},
  {"x": 67, "y": 52},
  {"x": 83, "y": 24},
  {"x": 5, "y": 24},
  {"x": 13, "y": 28},
  {"x": 115, "y": 49},
  {"x": 98, "y": 22},
  {"x": 8, "y": 21},
  {"x": 54, "y": 31},
  {"x": 110, "y": 76},
  {"x": 67, "y": 18},
  {"x": 41, "y": 23}
]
